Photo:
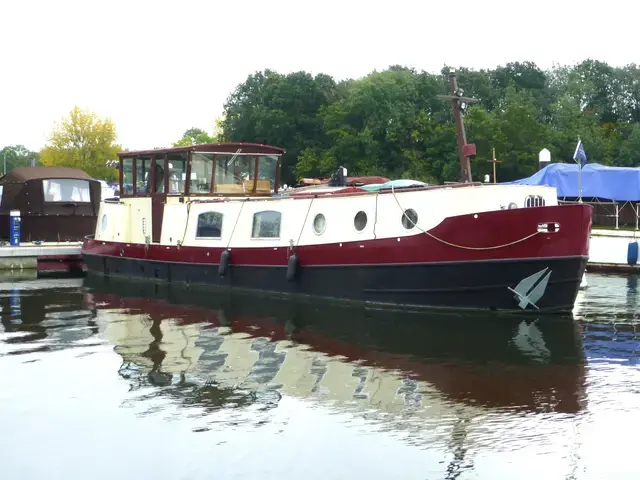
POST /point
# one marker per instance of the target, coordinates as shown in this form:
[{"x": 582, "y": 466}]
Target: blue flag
[{"x": 580, "y": 157}]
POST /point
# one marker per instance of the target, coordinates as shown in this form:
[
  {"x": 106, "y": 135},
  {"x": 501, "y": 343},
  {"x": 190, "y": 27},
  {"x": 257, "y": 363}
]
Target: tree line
[{"x": 392, "y": 123}]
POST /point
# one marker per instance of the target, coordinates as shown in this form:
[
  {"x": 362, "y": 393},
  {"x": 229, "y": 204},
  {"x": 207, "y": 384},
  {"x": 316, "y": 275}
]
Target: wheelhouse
[{"x": 220, "y": 169}]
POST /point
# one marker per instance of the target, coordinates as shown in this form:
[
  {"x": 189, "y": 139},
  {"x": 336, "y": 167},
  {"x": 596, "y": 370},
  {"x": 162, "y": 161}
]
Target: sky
[{"x": 157, "y": 68}]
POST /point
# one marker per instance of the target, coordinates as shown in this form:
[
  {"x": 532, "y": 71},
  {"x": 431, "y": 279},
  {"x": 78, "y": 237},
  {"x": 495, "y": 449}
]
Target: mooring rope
[
  {"x": 235, "y": 224},
  {"x": 305, "y": 220},
  {"x": 495, "y": 247}
]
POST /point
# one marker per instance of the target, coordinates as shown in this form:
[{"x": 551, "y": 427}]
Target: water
[{"x": 122, "y": 380}]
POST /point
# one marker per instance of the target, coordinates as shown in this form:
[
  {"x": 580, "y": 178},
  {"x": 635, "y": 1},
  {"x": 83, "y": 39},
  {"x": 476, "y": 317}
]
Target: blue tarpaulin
[{"x": 621, "y": 184}]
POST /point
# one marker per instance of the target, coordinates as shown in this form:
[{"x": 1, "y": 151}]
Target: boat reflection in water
[
  {"x": 248, "y": 349},
  {"x": 42, "y": 315}
]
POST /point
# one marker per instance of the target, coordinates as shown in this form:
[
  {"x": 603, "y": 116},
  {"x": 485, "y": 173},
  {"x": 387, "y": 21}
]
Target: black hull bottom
[{"x": 478, "y": 285}]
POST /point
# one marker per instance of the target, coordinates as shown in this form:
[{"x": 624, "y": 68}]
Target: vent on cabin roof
[{"x": 534, "y": 201}]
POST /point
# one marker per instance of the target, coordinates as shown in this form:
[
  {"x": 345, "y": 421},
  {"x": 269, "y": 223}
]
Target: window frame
[
  {"x": 59, "y": 180},
  {"x": 200, "y": 237},
  {"x": 366, "y": 221},
  {"x": 313, "y": 223},
  {"x": 405, "y": 218},
  {"x": 253, "y": 219}
]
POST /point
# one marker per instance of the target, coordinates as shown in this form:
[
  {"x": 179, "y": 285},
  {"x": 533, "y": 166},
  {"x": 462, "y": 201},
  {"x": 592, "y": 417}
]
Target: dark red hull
[
  {"x": 52, "y": 264},
  {"x": 468, "y": 262}
]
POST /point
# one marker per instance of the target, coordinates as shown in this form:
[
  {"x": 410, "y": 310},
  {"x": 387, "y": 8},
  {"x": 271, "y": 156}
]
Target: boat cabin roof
[
  {"x": 222, "y": 148},
  {"x": 25, "y": 174}
]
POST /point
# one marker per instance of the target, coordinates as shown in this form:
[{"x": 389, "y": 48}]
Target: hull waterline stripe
[
  {"x": 347, "y": 265},
  {"x": 558, "y": 310}
]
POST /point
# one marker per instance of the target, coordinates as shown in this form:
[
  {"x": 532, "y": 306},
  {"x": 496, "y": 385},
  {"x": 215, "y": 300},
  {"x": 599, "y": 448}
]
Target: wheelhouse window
[
  {"x": 266, "y": 224},
  {"x": 177, "y": 173},
  {"x": 209, "y": 225},
  {"x": 235, "y": 173},
  {"x": 201, "y": 170},
  {"x": 127, "y": 176},
  {"x": 160, "y": 169},
  {"x": 143, "y": 175},
  {"x": 267, "y": 172},
  {"x": 66, "y": 190}
]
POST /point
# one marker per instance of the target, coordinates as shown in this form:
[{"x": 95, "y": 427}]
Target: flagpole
[
  {"x": 579, "y": 183},
  {"x": 575, "y": 158}
]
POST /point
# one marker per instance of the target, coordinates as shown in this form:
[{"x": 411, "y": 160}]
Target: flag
[{"x": 580, "y": 157}]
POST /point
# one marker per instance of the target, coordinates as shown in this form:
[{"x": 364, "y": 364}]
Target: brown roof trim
[
  {"x": 25, "y": 174},
  {"x": 232, "y": 147}
]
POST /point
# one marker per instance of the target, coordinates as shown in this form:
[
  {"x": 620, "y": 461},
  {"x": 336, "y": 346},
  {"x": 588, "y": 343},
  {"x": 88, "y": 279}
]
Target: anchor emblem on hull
[{"x": 531, "y": 289}]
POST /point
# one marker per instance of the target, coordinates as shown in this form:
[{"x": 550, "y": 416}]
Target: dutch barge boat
[{"x": 213, "y": 214}]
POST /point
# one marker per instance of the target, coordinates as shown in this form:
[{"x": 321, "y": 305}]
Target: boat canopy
[{"x": 619, "y": 184}]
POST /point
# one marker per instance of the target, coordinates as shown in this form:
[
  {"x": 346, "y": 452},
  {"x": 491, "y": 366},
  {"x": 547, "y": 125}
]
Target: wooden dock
[{"x": 45, "y": 257}]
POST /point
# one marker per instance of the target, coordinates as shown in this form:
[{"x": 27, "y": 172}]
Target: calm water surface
[{"x": 121, "y": 380}]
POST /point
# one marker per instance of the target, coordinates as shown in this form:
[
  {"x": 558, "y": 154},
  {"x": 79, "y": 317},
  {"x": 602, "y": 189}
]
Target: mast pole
[
  {"x": 465, "y": 151},
  {"x": 494, "y": 165},
  {"x": 494, "y": 161},
  {"x": 465, "y": 166}
]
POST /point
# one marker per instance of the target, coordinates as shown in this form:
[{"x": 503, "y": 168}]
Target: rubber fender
[
  {"x": 632, "y": 253},
  {"x": 225, "y": 260},
  {"x": 292, "y": 268}
]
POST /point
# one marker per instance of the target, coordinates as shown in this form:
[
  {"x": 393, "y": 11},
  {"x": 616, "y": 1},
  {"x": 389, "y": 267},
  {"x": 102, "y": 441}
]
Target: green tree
[
  {"x": 513, "y": 130},
  {"x": 388, "y": 123},
  {"x": 630, "y": 150},
  {"x": 195, "y": 136},
  {"x": 280, "y": 110},
  {"x": 629, "y": 93},
  {"x": 18, "y": 156},
  {"x": 392, "y": 122},
  {"x": 83, "y": 140}
]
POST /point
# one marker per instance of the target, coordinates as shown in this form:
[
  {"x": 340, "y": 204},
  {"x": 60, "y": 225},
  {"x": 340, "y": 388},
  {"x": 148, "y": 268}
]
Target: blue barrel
[
  {"x": 632, "y": 253},
  {"x": 14, "y": 228}
]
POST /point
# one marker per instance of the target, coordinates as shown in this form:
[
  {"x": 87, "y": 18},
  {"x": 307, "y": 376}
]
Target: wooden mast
[
  {"x": 494, "y": 161},
  {"x": 465, "y": 150}
]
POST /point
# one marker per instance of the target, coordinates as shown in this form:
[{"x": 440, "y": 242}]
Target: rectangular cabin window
[
  {"x": 234, "y": 173},
  {"x": 201, "y": 168},
  {"x": 267, "y": 171},
  {"x": 177, "y": 173},
  {"x": 266, "y": 224},
  {"x": 127, "y": 176},
  {"x": 209, "y": 225},
  {"x": 143, "y": 175},
  {"x": 66, "y": 190}
]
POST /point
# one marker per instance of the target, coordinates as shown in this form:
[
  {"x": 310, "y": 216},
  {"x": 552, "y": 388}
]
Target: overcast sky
[{"x": 157, "y": 68}]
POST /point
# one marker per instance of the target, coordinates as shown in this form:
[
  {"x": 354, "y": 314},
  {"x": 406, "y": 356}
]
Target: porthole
[
  {"x": 360, "y": 221},
  {"x": 512, "y": 205},
  {"x": 409, "y": 218},
  {"x": 319, "y": 224},
  {"x": 103, "y": 222}
]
